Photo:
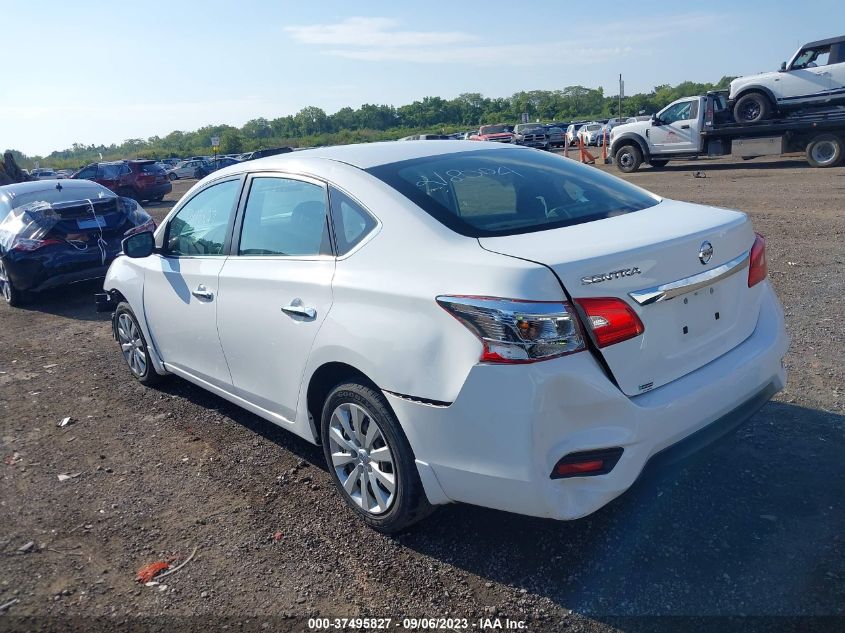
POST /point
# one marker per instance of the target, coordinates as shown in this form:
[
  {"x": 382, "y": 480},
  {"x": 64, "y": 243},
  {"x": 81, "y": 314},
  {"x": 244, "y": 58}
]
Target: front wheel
[
  {"x": 752, "y": 108},
  {"x": 370, "y": 460},
  {"x": 133, "y": 346},
  {"x": 173, "y": 176},
  {"x": 825, "y": 150},
  {"x": 628, "y": 159}
]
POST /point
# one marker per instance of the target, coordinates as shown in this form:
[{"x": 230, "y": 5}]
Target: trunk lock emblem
[{"x": 705, "y": 252}]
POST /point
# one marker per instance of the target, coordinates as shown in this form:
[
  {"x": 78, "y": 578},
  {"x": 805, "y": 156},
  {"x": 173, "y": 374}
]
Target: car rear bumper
[
  {"x": 148, "y": 193},
  {"x": 498, "y": 443},
  {"x": 59, "y": 267}
]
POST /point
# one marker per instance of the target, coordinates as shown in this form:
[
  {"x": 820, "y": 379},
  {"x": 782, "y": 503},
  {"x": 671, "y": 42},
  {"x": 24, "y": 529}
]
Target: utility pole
[{"x": 621, "y": 94}]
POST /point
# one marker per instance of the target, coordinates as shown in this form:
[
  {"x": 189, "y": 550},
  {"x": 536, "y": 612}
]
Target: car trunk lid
[{"x": 629, "y": 256}]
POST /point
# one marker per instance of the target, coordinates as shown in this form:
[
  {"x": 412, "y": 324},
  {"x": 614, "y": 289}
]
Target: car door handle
[
  {"x": 203, "y": 293},
  {"x": 685, "y": 127},
  {"x": 297, "y": 309}
]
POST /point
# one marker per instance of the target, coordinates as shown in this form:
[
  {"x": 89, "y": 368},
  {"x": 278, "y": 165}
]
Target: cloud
[
  {"x": 374, "y": 33},
  {"x": 379, "y": 39}
]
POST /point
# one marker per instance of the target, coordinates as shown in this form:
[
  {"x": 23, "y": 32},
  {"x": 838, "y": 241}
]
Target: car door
[
  {"x": 836, "y": 68},
  {"x": 674, "y": 127},
  {"x": 807, "y": 79},
  {"x": 276, "y": 288},
  {"x": 181, "y": 292}
]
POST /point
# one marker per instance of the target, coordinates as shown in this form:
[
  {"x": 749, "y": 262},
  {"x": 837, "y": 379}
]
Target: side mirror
[
  {"x": 139, "y": 245},
  {"x": 782, "y": 66},
  {"x": 655, "y": 120}
]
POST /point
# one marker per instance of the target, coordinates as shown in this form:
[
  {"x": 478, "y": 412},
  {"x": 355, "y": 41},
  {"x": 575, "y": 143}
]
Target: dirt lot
[{"x": 754, "y": 527}]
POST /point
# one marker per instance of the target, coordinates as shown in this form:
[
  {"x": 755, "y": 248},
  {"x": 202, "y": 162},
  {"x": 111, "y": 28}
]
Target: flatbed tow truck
[{"x": 695, "y": 127}]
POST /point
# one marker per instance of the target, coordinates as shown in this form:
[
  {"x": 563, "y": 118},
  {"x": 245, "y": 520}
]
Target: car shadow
[
  {"x": 753, "y": 525},
  {"x": 704, "y": 165},
  {"x": 176, "y": 386},
  {"x": 75, "y": 301}
]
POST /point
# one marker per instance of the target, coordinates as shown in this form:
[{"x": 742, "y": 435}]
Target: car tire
[
  {"x": 825, "y": 150},
  {"x": 658, "y": 164},
  {"x": 752, "y": 108},
  {"x": 351, "y": 444},
  {"x": 628, "y": 158},
  {"x": 11, "y": 295},
  {"x": 137, "y": 356},
  {"x": 173, "y": 176}
]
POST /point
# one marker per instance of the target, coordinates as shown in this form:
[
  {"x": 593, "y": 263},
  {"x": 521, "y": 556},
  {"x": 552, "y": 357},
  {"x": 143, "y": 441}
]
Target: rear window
[
  {"x": 149, "y": 168},
  {"x": 52, "y": 195},
  {"x": 509, "y": 191}
]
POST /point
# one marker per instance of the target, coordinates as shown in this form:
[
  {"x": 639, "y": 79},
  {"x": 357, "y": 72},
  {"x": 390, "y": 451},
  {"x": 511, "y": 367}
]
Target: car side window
[
  {"x": 678, "y": 112},
  {"x": 285, "y": 217},
  {"x": 812, "y": 58},
  {"x": 89, "y": 173},
  {"x": 199, "y": 228},
  {"x": 351, "y": 222}
]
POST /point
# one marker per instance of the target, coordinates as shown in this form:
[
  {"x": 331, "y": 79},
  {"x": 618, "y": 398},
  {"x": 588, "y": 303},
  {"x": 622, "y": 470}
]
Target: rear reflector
[
  {"x": 587, "y": 463},
  {"x": 758, "y": 268},
  {"x": 611, "y": 320}
]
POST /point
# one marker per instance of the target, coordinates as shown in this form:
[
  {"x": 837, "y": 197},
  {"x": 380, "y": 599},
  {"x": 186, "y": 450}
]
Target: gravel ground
[{"x": 753, "y": 527}]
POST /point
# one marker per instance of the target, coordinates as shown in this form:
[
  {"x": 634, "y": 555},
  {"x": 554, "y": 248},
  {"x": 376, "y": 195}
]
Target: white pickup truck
[{"x": 703, "y": 126}]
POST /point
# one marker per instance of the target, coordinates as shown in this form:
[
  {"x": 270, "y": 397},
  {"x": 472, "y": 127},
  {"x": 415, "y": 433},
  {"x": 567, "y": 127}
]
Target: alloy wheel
[
  {"x": 824, "y": 152},
  {"x": 132, "y": 344},
  {"x": 4, "y": 284},
  {"x": 362, "y": 459}
]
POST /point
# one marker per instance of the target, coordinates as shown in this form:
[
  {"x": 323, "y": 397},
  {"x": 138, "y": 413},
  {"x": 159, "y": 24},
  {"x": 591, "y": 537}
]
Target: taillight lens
[
  {"x": 516, "y": 331},
  {"x": 25, "y": 245},
  {"x": 611, "y": 320},
  {"x": 758, "y": 268}
]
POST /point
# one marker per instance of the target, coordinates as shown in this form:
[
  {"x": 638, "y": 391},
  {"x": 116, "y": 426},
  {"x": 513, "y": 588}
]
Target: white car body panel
[{"x": 483, "y": 434}]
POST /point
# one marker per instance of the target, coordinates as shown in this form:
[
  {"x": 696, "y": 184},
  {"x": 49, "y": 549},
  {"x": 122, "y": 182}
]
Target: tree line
[{"x": 311, "y": 126}]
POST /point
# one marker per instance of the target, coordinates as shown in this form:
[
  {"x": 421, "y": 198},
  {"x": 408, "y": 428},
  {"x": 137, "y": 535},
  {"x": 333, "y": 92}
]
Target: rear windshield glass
[
  {"x": 511, "y": 190},
  {"x": 150, "y": 168},
  {"x": 52, "y": 195}
]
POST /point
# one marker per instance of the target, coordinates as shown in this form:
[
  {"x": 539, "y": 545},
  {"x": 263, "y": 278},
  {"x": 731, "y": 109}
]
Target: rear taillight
[
  {"x": 516, "y": 331},
  {"x": 757, "y": 267},
  {"x": 587, "y": 463},
  {"x": 610, "y": 320},
  {"x": 24, "y": 245}
]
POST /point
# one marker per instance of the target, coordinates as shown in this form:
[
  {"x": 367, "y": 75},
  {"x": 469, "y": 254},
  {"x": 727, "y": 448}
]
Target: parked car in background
[
  {"x": 496, "y": 133},
  {"x": 815, "y": 76},
  {"x": 635, "y": 119},
  {"x": 136, "y": 179},
  {"x": 426, "y": 137},
  {"x": 44, "y": 173},
  {"x": 557, "y": 136},
  {"x": 222, "y": 162},
  {"x": 170, "y": 162},
  {"x": 522, "y": 286},
  {"x": 531, "y": 135},
  {"x": 189, "y": 169},
  {"x": 264, "y": 153},
  {"x": 572, "y": 133},
  {"x": 53, "y": 233},
  {"x": 589, "y": 133}
]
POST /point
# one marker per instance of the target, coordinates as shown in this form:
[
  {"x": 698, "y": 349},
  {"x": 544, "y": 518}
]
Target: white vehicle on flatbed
[
  {"x": 692, "y": 127},
  {"x": 815, "y": 76}
]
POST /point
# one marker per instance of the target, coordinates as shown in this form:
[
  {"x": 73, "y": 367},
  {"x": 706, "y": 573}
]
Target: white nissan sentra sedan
[{"x": 457, "y": 321}]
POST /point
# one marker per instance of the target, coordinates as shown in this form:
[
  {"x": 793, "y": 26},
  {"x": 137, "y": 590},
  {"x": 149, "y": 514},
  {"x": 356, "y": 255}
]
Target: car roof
[
  {"x": 366, "y": 155},
  {"x": 828, "y": 42}
]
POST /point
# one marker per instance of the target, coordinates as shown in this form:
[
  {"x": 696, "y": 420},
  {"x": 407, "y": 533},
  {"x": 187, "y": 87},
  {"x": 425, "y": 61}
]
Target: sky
[{"x": 101, "y": 72}]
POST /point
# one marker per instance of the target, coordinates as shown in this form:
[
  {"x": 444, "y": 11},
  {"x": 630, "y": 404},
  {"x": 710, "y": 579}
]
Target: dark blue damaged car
[{"x": 58, "y": 232}]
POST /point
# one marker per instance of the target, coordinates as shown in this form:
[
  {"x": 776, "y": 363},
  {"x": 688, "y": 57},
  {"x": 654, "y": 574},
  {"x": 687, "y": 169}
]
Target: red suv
[{"x": 136, "y": 179}]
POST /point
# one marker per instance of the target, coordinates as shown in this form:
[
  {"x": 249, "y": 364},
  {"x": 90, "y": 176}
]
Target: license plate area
[{"x": 699, "y": 314}]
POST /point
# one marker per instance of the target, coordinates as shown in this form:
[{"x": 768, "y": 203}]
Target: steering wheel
[{"x": 559, "y": 212}]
